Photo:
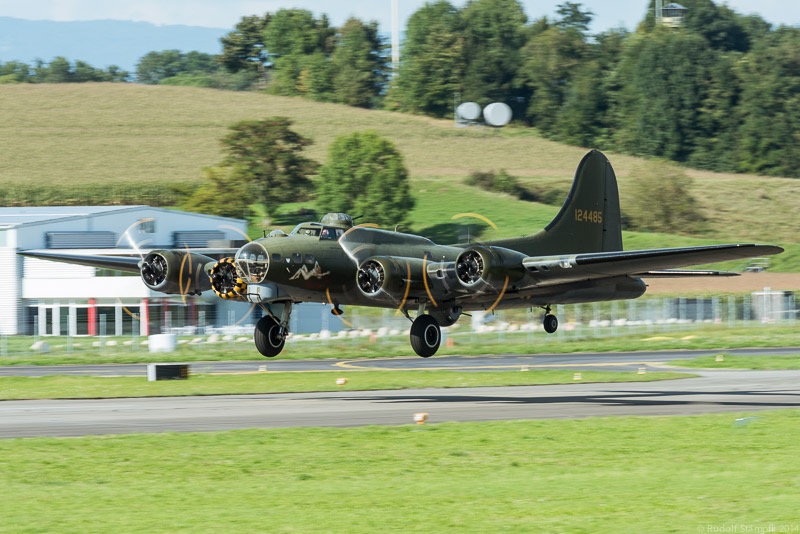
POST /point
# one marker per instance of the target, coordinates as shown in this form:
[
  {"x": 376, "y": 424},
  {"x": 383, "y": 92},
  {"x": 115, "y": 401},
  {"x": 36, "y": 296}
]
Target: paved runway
[
  {"x": 610, "y": 361},
  {"x": 713, "y": 391}
]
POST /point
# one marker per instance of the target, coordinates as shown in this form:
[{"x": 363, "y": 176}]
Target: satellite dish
[
  {"x": 469, "y": 111},
  {"x": 497, "y": 114}
]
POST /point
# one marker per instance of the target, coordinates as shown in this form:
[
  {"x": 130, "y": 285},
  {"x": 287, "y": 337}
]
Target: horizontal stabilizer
[{"x": 679, "y": 273}]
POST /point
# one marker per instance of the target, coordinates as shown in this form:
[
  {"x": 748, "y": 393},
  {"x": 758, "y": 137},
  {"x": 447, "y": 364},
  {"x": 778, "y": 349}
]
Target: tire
[
  {"x": 425, "y": 336},
  {"x": 268, "y": 337},
  {"x": 550, "y": 323}
]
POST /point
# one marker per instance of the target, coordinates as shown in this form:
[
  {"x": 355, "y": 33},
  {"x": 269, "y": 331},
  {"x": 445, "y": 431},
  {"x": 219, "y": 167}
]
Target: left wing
[
  {"x": 172, "y": 271},
  {"x": 118, "y": 263}
]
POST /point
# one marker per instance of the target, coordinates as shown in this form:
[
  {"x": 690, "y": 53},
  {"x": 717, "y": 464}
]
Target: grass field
[
  {"x": 715, "y": 337},
  {"x": 111, "y": 134},
  {"x": 87, "y": 387},
  {"x": 628, "y": 474}
]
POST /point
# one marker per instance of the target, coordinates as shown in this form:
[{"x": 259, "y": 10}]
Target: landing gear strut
[
  {"x": 550, "y": 321},
  {"x": 426, "y": 335},
  {"x": 270, "y": 335}
]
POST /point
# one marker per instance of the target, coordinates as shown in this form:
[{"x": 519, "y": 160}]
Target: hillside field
[{"x": 109, "y": 135}]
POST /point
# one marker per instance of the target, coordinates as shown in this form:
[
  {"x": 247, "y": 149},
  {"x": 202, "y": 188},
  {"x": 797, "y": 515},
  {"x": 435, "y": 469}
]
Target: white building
[{"x": 49, "y": 298}]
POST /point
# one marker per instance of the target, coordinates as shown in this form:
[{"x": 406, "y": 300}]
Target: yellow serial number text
[{"x": 589, "y": 216}]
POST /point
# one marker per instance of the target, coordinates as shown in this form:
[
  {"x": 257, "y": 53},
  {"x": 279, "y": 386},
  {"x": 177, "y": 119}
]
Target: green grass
[
  {"x": 626, "y": 474},
  {"x": 69, "y": 131},
  {"x": 83, "y": 387},
  {"x": 708, "y": 337},
  {"x": 729, "y": 361}
]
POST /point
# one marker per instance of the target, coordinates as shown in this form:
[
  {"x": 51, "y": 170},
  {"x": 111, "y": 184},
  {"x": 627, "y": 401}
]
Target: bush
[
  {"x": 149, "y": 193},
  {"x": 502, "y": 182},
  {"x": 660, "y": 200}
]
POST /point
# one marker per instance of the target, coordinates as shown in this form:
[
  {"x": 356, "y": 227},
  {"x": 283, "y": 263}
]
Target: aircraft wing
[
  {"x": 170, "y": 271},
  {"x": 118, "y": 263},
  {"x": 642, "y": 263}
]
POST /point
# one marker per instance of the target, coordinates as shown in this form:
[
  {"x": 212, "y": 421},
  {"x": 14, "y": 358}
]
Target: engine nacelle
[
  {"x": 175, "y": 273},
  {"x": 482, "y": 267},
  {"x": 226, "y": 280},
  {"x": 387, "y": 278}
]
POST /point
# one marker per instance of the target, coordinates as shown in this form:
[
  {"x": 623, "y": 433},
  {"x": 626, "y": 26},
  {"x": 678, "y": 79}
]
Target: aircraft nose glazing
[{"x": 252, "y": 263}]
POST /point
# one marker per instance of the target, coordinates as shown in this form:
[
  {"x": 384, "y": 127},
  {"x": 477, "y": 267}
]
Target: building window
[{"x": 147, "y": 226}]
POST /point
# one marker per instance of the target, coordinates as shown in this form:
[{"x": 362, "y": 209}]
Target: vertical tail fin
[{"x": 589, "y": 220}]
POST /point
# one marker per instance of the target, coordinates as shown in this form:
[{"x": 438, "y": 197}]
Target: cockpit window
[
  {"x": 332, "y": 234},
  {"x": 306, "y": 229}
]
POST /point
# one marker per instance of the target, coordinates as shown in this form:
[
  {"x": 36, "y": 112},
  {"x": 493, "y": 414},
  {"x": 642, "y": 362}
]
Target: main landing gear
[
  {"x": 270, "y": 335},
  {"x": 550, "y": 321},
  {"x": 426, "y": 335}
]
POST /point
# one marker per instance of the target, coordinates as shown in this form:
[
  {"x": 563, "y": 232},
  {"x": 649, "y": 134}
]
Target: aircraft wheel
[
  {"x": 550, "y": 323},
  {"x": 425, "y": 336},
  {"x": 268, "y": 337}
]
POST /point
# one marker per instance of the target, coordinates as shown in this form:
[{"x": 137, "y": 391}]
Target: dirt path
[{"x": 746, "y": 283}]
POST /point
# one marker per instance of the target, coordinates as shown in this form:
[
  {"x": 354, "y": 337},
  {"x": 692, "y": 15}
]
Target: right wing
[{"x": 640, "y": 263}]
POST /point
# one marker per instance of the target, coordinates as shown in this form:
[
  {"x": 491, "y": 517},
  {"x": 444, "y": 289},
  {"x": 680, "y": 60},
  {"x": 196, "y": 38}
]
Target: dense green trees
[
  {"x": 432, "y": 66},
  {"x": 358, "y": 64},
  {"x": 59, "y": 70},
  {"x": 720, "y": 93},
  {"x": 155, "y": 67},
  {"x": 494, "y": 33},
  {"x": 263, "y": 163},
  {"x": 365, "y": 176},
  {"x": 769, "y": 137},
  {"x": 298, "y": 54},
  {"x": 243, "y": 48}
]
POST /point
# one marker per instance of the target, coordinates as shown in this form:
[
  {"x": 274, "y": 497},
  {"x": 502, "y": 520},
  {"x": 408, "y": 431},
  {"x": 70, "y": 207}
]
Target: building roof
[
  {"x": 14, "y": 217},
  {"x": 37, "y": 214}
]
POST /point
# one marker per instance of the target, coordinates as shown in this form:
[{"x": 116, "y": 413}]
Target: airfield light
[
  {"x": 341, "y": 381},
  {"x": 577, "y": 376},
  {"x": 642, "y": 370}
]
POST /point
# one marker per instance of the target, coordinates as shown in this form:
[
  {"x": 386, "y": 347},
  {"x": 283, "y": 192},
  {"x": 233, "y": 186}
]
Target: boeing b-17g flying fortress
[{"x": 576, "y": 258}]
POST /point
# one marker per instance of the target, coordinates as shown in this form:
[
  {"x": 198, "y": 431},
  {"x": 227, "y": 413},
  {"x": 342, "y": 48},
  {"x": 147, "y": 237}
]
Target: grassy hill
[{"x": 110, "y": 135}]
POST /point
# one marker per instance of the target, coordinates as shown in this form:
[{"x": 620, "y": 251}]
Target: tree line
[
  {"x": 720, "y": 93},
  {"x": 364, "y": 174},
  {"x": 59, "y": 70}
]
